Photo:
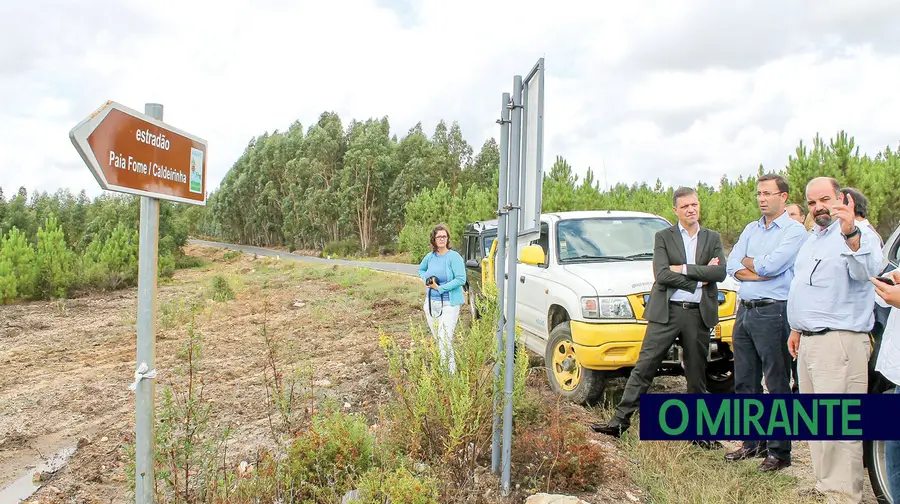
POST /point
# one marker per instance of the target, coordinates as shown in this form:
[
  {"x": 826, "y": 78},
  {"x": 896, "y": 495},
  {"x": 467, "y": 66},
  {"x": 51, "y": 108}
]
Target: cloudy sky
[{"x": 679, "y": 90}]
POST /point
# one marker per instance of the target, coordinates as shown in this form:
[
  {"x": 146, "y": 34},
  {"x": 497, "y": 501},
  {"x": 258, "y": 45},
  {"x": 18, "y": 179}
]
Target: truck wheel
[
  {"x": 720, "y": 377},
  {"x": 719, "y": 382},
  {"x": 566, "y": 375},
  {"x": 873, "y": 458}
]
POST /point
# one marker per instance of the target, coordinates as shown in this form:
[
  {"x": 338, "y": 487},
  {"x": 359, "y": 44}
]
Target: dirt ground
[{"x": 65, "y": 368}]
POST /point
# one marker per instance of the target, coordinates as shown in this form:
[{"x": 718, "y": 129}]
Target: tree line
[
  {"x": 57, "y": 245},
  {"x": 360, "y": 190}
]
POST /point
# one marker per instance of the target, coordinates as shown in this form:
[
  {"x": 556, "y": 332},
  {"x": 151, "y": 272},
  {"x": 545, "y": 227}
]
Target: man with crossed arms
[
  {"x": 763, "y": 261},
  {"x": 831, "y": 311}
]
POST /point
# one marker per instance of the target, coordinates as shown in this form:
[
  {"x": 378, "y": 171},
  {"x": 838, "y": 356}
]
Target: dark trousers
[
  {"x": 686, "y": 326},
  {"x": 760, "y": 350}
]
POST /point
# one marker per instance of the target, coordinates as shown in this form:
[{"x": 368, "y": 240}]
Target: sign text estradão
[
  {"x": 769, "y": 416},
  {"x": 131, "y": 152}
]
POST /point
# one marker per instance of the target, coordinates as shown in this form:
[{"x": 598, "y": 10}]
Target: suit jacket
[{"x": 668, "y": 250}]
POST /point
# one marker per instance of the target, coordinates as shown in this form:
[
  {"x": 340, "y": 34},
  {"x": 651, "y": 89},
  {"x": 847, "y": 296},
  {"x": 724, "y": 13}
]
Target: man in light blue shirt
[
  {"x": 763, "y": 261},
  {"x": 831, "y": 311}
]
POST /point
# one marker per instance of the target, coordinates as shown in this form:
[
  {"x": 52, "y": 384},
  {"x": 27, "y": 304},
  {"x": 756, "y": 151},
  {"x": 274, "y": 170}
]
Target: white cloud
[{"x": 673, "y": 90}]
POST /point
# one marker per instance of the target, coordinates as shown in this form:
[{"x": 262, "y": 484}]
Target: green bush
[
  {"x": 54, "y": 262},
  {"x": 327, "y": 460},
  {"x": 20, "y": 261},
  {"x": 398, "y": 486},
  {"x": 220, "y": 290},
  {"x": 433, "y": 206},
  {"x": 442, "y": 418},
  {"x": 166, "y": 265},
  {"x": 117, "y": 258},
  {"x": 344, "y": 248},
  {"x": 7, "y": 281}
]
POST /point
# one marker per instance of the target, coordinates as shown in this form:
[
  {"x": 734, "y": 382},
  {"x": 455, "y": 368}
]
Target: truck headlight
[{"x": 606, "y": 308}]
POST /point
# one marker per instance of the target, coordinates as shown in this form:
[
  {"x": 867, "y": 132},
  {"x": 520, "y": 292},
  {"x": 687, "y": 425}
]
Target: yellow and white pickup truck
[{"x": 580, "y": 297}]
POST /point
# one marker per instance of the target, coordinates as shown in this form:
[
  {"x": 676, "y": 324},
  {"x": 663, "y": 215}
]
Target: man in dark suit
[{"x": 688, "y": 260}]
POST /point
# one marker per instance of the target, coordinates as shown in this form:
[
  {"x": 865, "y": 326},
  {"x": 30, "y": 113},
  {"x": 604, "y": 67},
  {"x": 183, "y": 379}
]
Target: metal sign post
[
  {"x": 519, "y": 214},
  {"x": 148, "y": 259},
  {"x": 499, "y": 272},
  {"x": 138, "y": 154},
  {"x": 512, "y": 259}
]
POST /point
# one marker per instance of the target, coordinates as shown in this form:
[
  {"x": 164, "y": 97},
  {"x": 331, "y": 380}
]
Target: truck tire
[
  {"x": 566, "y": 376},
  {"x": 720, "y": 378},
  {"x": 873, "y": 458}
]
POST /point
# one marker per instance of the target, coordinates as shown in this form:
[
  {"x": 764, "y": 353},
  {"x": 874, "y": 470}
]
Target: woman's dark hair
[
  {"x": 434, "y": 232},
  {"x": 860, "y": 202}
]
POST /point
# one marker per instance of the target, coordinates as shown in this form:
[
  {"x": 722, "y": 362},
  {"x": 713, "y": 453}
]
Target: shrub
[
  {"x": 220, "y": 290},
  {"x": 18, "y": 255},
  {"x": 347, "y": 247},
  {"x": 54, "y": 261},
  {"x": 444, "y": 418},
  {"x": 166, "y": 265},
  {"x": 558, "y": 456},
  {"x": 325, "y": 461},
  {"x": 398, "y": 486}
]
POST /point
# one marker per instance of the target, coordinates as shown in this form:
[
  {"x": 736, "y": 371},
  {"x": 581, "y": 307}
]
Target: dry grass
[{"x": 677, "y": 472}]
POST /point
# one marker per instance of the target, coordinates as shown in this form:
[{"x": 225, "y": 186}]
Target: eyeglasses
[
  {"x": 767, "y": 194},
  {"x": 440, "y": 237}
]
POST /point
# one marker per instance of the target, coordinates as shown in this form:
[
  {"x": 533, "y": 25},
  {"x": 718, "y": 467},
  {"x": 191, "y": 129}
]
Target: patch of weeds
[
  {"x": 556, "y": 455},
  {"x": 220, "y": 289},
  {"x": 289, "y": 403},
  {"x": 676, "y": 472},
  {"x": 187, "y": 262},
  {"x": 326, "y": 460},
  {"x": 188, "y": 445},
  {"x": 442, "y": 418},
  {"x": 176, "y": 312},
  {"x": 231, "y": 255},
  {"x": 398, "y": 485}
]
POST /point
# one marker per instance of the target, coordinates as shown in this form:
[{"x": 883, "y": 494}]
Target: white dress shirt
[{"x": 690, "y": 249}]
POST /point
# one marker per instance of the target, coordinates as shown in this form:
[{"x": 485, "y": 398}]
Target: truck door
[{"x": 531, "y": 288}]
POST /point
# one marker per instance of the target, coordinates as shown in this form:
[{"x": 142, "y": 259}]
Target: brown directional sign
[{"x": 133, "y": 153}]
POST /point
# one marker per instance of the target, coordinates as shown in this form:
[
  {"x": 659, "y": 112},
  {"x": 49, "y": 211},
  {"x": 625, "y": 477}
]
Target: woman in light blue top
[{"x": 444, "y": 274}]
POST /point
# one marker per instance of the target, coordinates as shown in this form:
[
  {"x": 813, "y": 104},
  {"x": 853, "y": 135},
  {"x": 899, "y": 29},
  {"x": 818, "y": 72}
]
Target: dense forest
[
  {"x": 56, "y": 245},
  {"x": 359, "y": 190}
]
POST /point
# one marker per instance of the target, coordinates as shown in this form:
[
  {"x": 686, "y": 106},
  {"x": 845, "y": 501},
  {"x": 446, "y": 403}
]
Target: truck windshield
[{"x": 607, "y": 239}]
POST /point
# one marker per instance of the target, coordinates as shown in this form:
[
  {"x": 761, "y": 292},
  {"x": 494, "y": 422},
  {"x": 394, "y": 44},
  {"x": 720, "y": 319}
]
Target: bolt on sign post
[
  {"x": 138, "y": 154},
  {"x": 520, "y": 194}
]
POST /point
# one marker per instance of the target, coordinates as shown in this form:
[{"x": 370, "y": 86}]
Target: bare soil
[{"x": 65, "y": 368}]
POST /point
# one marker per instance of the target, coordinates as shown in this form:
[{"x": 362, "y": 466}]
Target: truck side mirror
[
  {"x": 533, "y": 255},
  {"x": 472, "y": 263}
]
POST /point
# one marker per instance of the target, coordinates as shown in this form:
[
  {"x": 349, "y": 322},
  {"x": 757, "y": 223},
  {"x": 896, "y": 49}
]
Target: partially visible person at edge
[
  {"x": 831, "y": 309},
  {"x": 809, "y": 222},
  {"x": 861, "y": 210},
  {"x": 796, "y": 212},
  {"x": 888, "y": 364},
  {"x": 688, "y": 261},
  {"x": 444, "y": 274},
  {"x": 763, "y": 262}
]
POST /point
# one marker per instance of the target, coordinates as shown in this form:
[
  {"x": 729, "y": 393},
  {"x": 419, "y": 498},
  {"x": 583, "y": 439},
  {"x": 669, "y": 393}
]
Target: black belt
[
  {"x": 685, "y": 305},
  {"x": 753, "y": 303},
  {"x": 823, "y": 331}
]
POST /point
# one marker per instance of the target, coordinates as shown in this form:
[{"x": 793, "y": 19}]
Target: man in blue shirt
[
  {"x": 763, "y": 261},
  {"x": 831, "y": 311}
]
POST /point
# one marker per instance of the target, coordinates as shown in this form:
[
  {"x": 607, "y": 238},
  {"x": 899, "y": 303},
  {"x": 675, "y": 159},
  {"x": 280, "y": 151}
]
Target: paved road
[{"x": 405, "y": 269}]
